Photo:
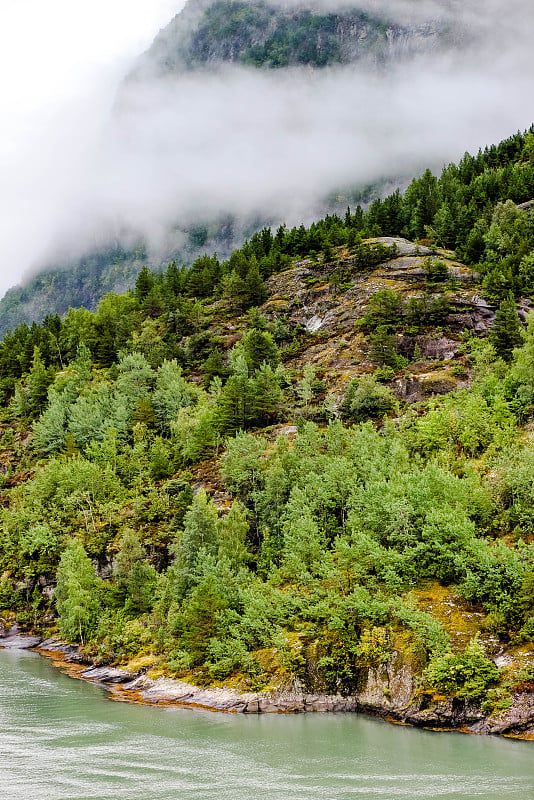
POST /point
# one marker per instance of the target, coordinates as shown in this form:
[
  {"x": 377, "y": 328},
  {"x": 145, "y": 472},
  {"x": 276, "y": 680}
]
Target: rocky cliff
[{"x": 261, "y": 34}]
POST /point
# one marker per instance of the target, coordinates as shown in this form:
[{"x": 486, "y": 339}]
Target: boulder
[{"x": 108, "y": 675}]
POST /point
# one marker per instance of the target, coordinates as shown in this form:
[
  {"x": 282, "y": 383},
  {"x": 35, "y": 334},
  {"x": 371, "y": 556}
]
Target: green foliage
[
  {"x": 93, "y": 415},
  {"x": 241, "y": 464},
  {"x": 366, "y": 399},
  {"x": 77, "y": 594},
  {"x": 199, "y": 539},
  {"x": 328, "y": 530},
  {"x": 466, "y": 421},
  {"x": 194, "y": 432},
  {"x": 305, "y": 38},
  {"x": 249, "y": 398},
  {"x": 232, "y": 531},
  {"x": 467, "y": 675},
  {"x": 171, "y": 394},
  {"x": 259, "y": 348},
  {"x": 436, "y": 271},
  {"x": 507, "y": 332},
  {"x": 304, "y": 545},
  {"x": 135, "y": 578}
]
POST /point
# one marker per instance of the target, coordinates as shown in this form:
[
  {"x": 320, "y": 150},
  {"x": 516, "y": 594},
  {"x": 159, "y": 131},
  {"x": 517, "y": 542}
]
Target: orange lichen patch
[
  {"x": 60, "y": 661},
  {"x": 525, "y": 736},
  {"x": 459, "y": 619}
]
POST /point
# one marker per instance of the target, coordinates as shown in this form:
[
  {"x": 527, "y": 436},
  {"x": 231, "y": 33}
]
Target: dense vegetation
[
  {"x": 262, "y": 34},
  {"x": 145, "y": 471}
]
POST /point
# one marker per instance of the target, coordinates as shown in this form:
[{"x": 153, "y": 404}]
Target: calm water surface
[{"x": 62, "y": 739}]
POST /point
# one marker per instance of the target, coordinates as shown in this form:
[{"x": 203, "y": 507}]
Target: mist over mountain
[
  {"x": 245, "y": 113},
  {"x": 258, "y": 34}
]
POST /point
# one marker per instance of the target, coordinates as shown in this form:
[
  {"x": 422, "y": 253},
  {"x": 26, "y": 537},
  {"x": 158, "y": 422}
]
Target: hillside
[
  {"x": 206, "y": 37},
  {"x": 86, "y": 280},
  {"x": 259, "y": 34},
  {"x": 304, "y": 473}
]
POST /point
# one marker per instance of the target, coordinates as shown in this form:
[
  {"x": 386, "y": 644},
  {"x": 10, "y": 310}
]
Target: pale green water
[{"x": 61, "y": 739}]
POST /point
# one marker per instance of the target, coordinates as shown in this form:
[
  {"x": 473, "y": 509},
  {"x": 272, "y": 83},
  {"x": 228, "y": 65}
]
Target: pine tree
[
  {"x": 256, "y": 289},
  {"x": 200, "y": 535},
  {"x": 50, "y": 429},
  {"x": 235, "y": 291},
  {"x": 39, "y": 380},
  {"x": 200, "y": 617},
  {"x": 259, "y": 348},
  {"x": 135, "y": 578},
  {"x": 82, "y": 363},
  {"x": 144, "y": 283},
  {"x": 507, "y": 331}
]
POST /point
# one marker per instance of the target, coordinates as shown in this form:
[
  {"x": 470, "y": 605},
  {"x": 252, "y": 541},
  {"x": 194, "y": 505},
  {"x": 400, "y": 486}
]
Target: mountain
[
  {"x": 84, "y": 281},
  {"x": 204, "y": 38},
  {"x": 259, "y": 34}
]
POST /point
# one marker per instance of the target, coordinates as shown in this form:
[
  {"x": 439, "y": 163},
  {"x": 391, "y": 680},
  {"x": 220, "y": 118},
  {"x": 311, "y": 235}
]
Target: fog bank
[{"x": 252, "y": 142}]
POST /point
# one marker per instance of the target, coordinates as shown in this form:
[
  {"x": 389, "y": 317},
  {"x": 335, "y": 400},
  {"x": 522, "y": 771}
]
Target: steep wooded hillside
[{"x": 303, "y": 472}]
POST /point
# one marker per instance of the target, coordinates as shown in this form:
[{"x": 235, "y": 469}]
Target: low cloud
[{"x": 269, "y": 143}]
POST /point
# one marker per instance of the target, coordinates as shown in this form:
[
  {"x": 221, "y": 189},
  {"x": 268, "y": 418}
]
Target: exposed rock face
[
  {"x": 17, "y": 642},
  {"x": 308, "y": 297},
  {"x": 329, "y": 310},
  {"x": 472, "y": 314},
  {"x": 209, "y": 33},
  {"x": 390, "y": 690},
  {"x": 13, "y": 640},
  {"x": 70, "y": 652},
  {"x": 451, "y": 713},
  {"x": 166, "y": 690},
  {"x": 517, "y": 719},
  {"x": 442, "y": 348},
  {"x": 388, "y": 687},
  {"x": 108, "y": 675}
]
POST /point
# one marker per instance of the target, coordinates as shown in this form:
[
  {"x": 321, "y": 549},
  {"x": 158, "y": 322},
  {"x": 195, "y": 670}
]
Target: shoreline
[
  {"x": 163, "y": 691},
  {"x": 125, "y": 686}
]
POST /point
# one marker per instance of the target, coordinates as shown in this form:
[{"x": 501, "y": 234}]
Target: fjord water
[{"x": 62, "y": 739}]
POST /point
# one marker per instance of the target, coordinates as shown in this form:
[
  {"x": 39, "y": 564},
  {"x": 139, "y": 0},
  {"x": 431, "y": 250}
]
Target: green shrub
[
  {"x": 366, "y": 399},
  {"x": 468, "y": 675}
]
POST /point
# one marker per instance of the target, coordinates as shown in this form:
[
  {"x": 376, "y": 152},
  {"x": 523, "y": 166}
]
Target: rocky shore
[{"x": 390, "y": 693}]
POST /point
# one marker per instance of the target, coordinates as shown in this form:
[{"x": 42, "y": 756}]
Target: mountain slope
[
  {"x": 260, "y": 34},
  {"x": 207, "y": 36},
  {"x": 307, "y": 470}
]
